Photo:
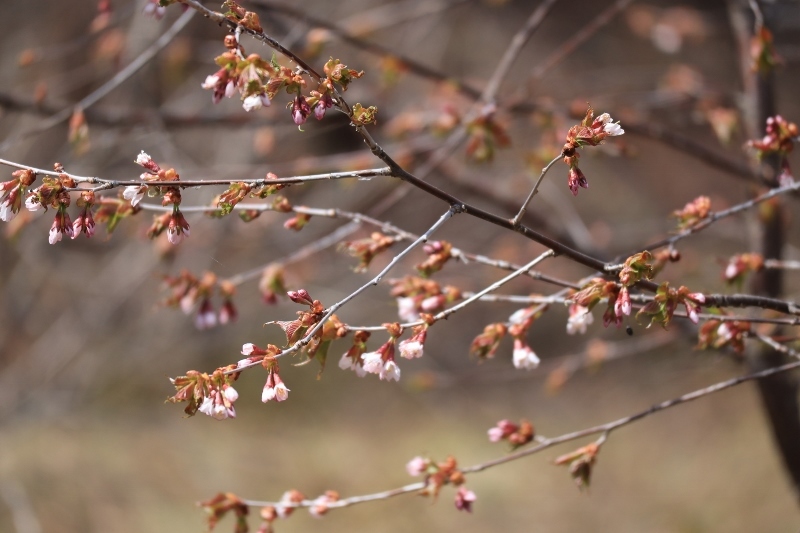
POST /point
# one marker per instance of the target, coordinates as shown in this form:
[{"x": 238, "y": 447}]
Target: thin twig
[
  {"x": 775, "y": 345},
  {"x": 494, "y": 286},
  {"x": 718, "y": 215},
  {"x": 108, "y": 183},
  {"x": 519, "y": 40},
  {"x": 302, "y": 253},
  {"x": 544, "y": 443},
  {"x": 785, "y": 264},
  {"x": 374, "y": 281},
  {"x": 535, "y": 189}
]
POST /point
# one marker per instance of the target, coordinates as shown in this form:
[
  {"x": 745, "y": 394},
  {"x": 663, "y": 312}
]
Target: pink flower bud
[
  {"x": 300, "y": 297},
  {"x": 576, "y": 179},
  {"x": 230, "y": 394},
  {"x": 464, "y": 499},
  {"x": 417, "y": 466}
]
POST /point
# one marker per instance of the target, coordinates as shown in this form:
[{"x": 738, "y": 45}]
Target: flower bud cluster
[
  {"x": 192, "y": 294},
  {"x": 662, "y": 307},
  {"x": 693, "y": 212},
  {"x": 351, "y": 359},
  {"x": 211, "y": 395},
  {"x": 272, "y": 283},
  {"x": 241, "y": 74},
  {"x": 295, "y": 329},
  {"x": 259, "y": 81},
  {"x": 413, "y": 347},
  {"x": 580, "y": 318},
  {"x": 485, "y": 345},
  {"x": 365, "y": 250},
  {"x": 762, "y": 51},
  {"x": 220, "y": 505},
  {"x": 718, "y": 334},
  {"x": 439, "y": 252},
  {"x": 740, "y": 265},
  {"x": 13, "y": 191},
  {"x": 53, "y": 192},
  {"x": 516, "y": 434},
  {"x": 523, "y": 356},
  {"x": 485, "y": 136},
  {"x": 778, "y": 141},
  {"x": 174, "y": 223},
  {"x": 590, "y": 132},
  {"x": 439, "y": 474},
  {"x": 381, "y": 361},
  {"x": 416, "y": 296},
  {"x": 581, "y": 462},
  {"x": 598, "y": 289}
]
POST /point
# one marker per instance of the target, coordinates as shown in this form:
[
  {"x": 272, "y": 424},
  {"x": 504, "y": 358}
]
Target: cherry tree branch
[
  {"x": 494, "y": 286},
  {"x": 545, "y": 443},
  {"x": 374, "y": 281},
  {"x": 718, "y": 215},
  {"x": 535, "y": 189},
  {"x": 110, "y": 184}
]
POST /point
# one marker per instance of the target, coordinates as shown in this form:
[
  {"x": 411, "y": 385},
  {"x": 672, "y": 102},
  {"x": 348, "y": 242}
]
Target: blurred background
[{"x": 86, "y": 442}]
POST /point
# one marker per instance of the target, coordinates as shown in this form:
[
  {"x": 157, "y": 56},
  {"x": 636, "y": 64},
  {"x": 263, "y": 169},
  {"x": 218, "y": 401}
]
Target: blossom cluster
[
  {"x": 258, "y": 81},
  {"x": 193, "y": 294},
  {"x": 590, "y": 132},
  {"x": 417, "y": 296},
  {"x": 516, "y": 434},
  {"x": 439, "y": 474}
]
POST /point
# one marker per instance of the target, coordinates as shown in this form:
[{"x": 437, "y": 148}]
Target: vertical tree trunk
[{"x": 779, "y": 393}]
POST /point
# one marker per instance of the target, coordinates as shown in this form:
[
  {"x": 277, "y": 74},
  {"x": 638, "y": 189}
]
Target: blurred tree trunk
[{"x": 779, "y": 393}]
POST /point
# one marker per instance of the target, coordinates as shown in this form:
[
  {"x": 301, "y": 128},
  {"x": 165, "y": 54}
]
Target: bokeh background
[{"x": 86, "y": 442}]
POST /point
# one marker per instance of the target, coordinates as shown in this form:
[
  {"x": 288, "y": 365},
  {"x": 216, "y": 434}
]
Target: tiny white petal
[
  {"x": 268, "y": 394},
  {"x": 410, "y": 349},
  {"x": 346, "y": 362},
  {"x": 220, "y": 412},
  {"x": 524, "y": 358},
  {"x": 390, "y": 371},
  {"x": 207, "y": 406},
  {"x": 281, "y": 392},
  {"x": 211, "y": 82},
  {"x": 580, "y": 318},
  {"x": 55, "y": 235},
  {"x": 495, "y": 434},
  {"x": 230, "y": 89},
  {"x": 187, "y": 304},
  {"x": 373, "y": 362},
  {"x": 6, "y": 213},
  {"x": 613, "y": 129},
  {"x": 231, "y": 395},
  {"x": 143, "y": 159},
  {"x": 519, "y": 316},
  {"x": 174, "y": 236},
  {"x": 252, "y": 102},
  {"x": 407, "y": 309},
  {"x": 32, "y": 204}
]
